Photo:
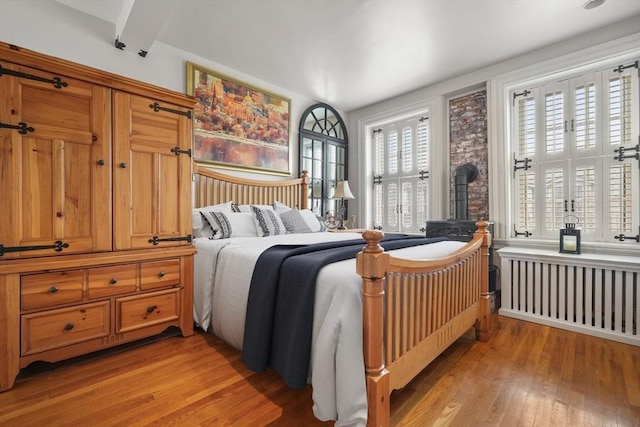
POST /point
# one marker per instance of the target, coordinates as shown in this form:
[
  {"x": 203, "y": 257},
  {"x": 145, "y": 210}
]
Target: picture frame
[{"x": 237, "y": 125}]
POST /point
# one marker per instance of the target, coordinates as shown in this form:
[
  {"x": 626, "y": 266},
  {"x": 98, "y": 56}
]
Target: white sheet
[{"x": 336, "y": 351}]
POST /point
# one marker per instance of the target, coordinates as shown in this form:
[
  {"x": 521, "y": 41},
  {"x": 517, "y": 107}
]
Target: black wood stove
[{"x": 461, "y": 228}]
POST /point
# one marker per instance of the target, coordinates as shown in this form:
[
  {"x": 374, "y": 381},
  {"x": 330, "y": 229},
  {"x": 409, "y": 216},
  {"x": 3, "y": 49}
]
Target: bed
[{"x": 406, "y": 305}]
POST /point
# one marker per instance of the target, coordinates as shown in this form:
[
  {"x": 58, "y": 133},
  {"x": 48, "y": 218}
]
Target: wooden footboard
[{"x": 413, "y": 310}]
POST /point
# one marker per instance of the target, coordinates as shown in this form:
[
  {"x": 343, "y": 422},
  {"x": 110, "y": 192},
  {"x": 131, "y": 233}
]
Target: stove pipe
[{"x": 462, "y": 177}]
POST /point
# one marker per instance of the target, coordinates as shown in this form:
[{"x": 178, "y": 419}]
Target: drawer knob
[
  {"x": 68, "y": 326},
  {"x": 123, "y": 165},
  {"x": 161, "y": 274},
  {"x": 151, "y": 308},
  {"x": 53, "y": 289},
  {"x": 113, "y": 281}
]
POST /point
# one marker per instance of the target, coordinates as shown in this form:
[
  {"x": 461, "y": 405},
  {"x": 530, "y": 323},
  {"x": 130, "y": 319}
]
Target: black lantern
[{"x": 570, "y": 238}]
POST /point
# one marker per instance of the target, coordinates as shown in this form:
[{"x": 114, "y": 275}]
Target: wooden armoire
[{"x": 95, "y": 185}]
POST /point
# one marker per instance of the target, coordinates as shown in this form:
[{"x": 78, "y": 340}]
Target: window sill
[
  {"x": 584, "y": 259},
  {"x": 630, "y": 248}
]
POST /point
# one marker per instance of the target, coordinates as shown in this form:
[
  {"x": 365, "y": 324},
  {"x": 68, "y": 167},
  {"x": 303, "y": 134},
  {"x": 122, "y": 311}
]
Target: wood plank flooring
[{"x": 526, "y": 375}]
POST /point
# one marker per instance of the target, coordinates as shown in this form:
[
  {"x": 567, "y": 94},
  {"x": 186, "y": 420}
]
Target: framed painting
[{"x": 238, "y": 126}]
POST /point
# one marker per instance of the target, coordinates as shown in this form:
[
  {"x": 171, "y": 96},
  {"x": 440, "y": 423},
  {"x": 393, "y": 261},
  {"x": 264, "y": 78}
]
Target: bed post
[
  {"x": 304, "y": 185},
  {"x": 371, "y": 265},
  {"x": 482, "y": 324}
]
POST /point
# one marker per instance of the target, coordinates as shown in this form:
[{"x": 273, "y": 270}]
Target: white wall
[
  {"x": 578, "y": 50},
  {"x": 51, "y": 28}
]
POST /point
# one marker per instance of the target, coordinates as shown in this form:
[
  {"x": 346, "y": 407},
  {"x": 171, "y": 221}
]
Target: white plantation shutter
[
  {"x": 407, "y": 149},
  {"x": 526, "y": 127},
  {"x": 554, "y": 197},
  {"x": 554, "y": 121},
  {"x": 585, "y": 198},
  {"x": 422, "y": 148},
  {"x": 620, "y": 196},
  {"x": 526, "y": 208},
  {"x": 568, "y": 131},
  {"x": 619, "y": 109},
  {"x": 392, "y": 204},
  {"x": 585, "y": 121},
  {"x": 621, "y": 180},
  {"x": 422, "y": 163},
  {"x": 378, "y": 141},
  {"x": 621, "y": 176},
  {"x": 392, "y": 152},
  {"x": 401, "y": 185},
  {"x": 422, "y": 201},
  {"x": 524, "y": 202},
  {"x": 406, "y": 207},
  {"x": 378, "y": 206}
]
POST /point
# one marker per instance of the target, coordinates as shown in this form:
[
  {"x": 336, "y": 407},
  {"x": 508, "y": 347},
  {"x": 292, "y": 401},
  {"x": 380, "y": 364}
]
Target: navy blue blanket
[{"x": 279, "y": 320}]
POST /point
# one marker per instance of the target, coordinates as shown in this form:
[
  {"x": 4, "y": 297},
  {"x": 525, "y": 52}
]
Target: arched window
[{"x": 323, "y": 154}]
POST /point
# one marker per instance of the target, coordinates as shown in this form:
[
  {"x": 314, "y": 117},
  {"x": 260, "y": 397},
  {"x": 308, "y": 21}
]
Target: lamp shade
[{"x": 343, "y": 191}]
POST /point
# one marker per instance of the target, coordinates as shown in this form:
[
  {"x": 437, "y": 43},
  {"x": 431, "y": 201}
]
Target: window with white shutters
[
  {"x": 401, "y": 186},
  {"x": 576, "y": 156}
]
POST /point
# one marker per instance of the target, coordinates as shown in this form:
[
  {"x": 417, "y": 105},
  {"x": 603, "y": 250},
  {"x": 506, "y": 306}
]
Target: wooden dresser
[{"x": 95, "y": 182}]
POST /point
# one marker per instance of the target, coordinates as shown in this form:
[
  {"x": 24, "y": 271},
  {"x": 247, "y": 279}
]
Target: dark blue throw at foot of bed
[{"x": 279, "y": 320}]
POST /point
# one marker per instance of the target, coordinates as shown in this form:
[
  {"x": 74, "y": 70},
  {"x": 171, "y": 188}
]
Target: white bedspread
[{"x": 222, "y": 279}]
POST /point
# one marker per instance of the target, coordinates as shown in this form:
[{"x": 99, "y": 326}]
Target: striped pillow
[
  {"x": 268, "y": 222},
  {"x": 231, "y": 224}
]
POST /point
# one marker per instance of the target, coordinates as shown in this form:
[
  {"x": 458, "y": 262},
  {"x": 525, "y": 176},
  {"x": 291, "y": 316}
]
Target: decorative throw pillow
[
  {"x": 312, "y": 221},
  {"x": 233, "y": 224},
  {"x": 199, "y": 226},
  {"x": 294, "y": 222},
  {"x": 267, "y": 221}
]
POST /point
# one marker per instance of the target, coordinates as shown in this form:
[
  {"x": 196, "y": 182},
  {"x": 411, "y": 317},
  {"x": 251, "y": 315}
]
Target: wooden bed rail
[
  {"x": 413, "y": 310},
  {"x": 212, "y": 188}
]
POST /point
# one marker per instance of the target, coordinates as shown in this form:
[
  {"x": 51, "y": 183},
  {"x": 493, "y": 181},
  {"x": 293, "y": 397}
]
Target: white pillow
[
  {"x": 234, "y": 224},
  {"x": 267, "y": 221},
  {"x": 200, "y": 227},
  {"x": 312, "y": 221}
]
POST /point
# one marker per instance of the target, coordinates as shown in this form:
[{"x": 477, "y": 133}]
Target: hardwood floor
[{"x": 526, "y": 375}]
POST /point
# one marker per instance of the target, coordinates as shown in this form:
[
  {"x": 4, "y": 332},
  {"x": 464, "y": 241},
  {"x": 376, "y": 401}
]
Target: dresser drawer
[
  {"x": 57, "y": 328},
  {"x": 159, "y": 274},
  {"x": 137, "y": 312},
  {"x": 112, "y": 280},
  {"x": 49, "y": 289}
]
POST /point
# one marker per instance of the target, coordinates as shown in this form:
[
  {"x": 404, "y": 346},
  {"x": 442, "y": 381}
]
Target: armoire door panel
[
  {"x": 55, "y": 174},
  {"x": 143, "y": 173},
  {"x": 151, "y": 181},
  {"x": 56, "y": 195},
  {"x": 155, "y": 129},
  {"x": 168, "y": 218},
  {"x": 72, "y": 111}
]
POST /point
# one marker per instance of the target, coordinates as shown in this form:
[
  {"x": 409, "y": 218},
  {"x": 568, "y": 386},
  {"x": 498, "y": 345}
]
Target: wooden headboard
[{"x": 213, "y": 187}]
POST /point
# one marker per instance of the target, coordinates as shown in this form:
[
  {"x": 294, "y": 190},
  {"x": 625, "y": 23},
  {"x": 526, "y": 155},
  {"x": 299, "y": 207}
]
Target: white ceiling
[{"x": 353, "y": 53}]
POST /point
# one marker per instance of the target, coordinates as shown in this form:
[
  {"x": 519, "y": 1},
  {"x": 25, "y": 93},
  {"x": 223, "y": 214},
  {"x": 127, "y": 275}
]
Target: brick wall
[{"x": 468, "y": 144}]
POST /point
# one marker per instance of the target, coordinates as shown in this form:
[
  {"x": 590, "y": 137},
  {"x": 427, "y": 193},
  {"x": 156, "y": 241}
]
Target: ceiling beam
[{"x": 140, "y": 22}]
